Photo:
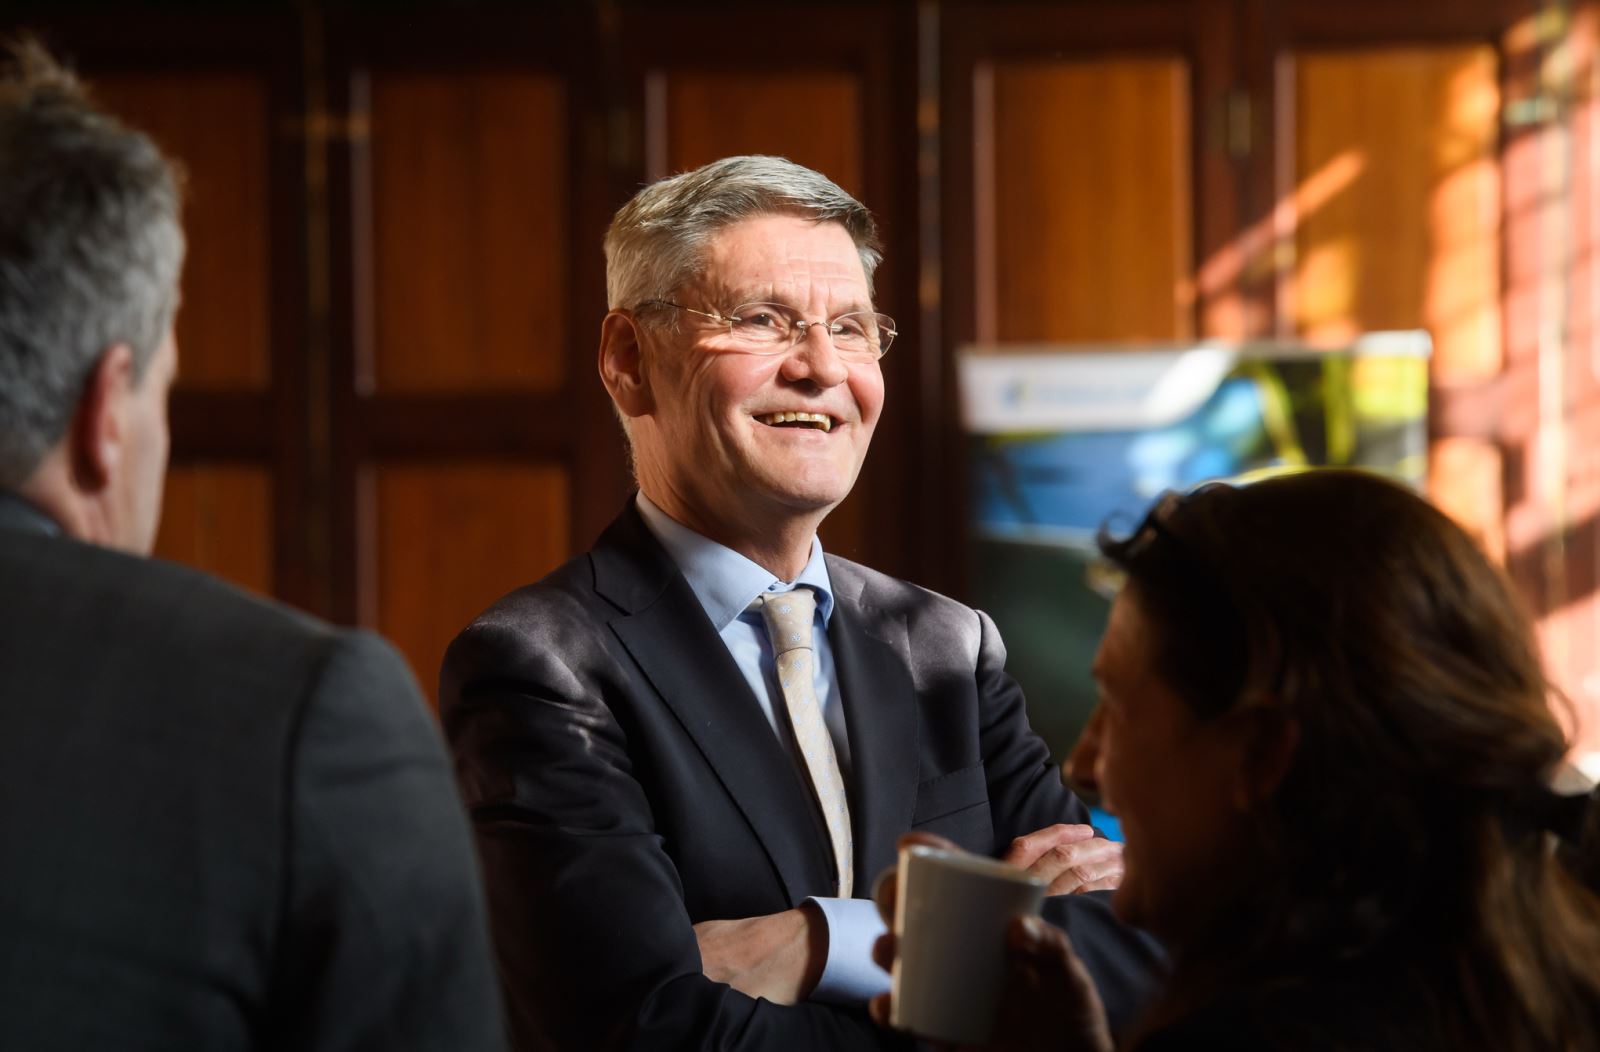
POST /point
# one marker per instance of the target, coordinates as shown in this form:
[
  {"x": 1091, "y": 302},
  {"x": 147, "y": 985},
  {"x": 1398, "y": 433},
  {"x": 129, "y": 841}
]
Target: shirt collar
[
  {"x": 18, "y": 513},
  {"x": 724, "y": 581}
]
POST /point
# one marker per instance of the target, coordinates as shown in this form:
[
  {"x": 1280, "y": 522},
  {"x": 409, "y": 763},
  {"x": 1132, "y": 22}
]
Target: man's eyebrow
[
  {"x": 738, "y": 297},
  {"x": 753, "y": 294}
]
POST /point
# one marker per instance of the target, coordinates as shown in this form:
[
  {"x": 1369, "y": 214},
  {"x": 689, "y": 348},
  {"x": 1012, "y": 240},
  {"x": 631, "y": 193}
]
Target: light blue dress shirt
[{"x": 726, "y": 583}]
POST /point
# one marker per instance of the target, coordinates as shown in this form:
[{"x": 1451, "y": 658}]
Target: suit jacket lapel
[
  {"x": 664, "y": 628},
  {"x": 880, "y": 713}
]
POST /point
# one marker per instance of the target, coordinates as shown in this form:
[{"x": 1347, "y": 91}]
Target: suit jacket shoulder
[
  {"x": 930, "y": 618},
  {"x": 204, "y": 797}
]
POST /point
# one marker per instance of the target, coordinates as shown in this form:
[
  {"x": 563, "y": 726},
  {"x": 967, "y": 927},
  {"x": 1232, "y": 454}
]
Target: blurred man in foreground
[
  {"x": 689, "y": 751},
  {"x": 223, "y": 825}
]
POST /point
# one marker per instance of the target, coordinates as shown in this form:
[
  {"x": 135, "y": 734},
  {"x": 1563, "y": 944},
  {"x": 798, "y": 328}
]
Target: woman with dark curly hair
[{"x": 1324, "y": 725}]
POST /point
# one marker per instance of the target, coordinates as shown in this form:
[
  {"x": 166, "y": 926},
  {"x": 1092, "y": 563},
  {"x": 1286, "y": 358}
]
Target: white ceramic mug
[{"x": 950, "y": 918}]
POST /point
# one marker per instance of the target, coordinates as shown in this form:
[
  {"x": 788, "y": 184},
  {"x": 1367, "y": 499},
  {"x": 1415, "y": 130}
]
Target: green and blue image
[{"x": 1064, "y": 440}]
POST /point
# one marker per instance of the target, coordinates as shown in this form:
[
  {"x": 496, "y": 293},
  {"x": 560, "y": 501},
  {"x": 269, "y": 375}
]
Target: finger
[
  {"x": 927, "y": 840},
  {"x": 883, "y": 951},
  {"x": 1111, "y": 880},
  {"x": 878, "y": 1008},
  {"x": 884, "y": 889},
  {"x": 884, "y": 893},
  {"x": 1071, "y": 867},
  {"x": 1025, "y": 850},
  {"x": 1095, "y": 852},
  {"x": 1086, "y": 876}
]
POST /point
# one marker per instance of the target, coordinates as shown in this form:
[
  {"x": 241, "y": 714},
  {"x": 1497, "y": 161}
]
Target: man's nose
[{"x": 815, "y": 358}]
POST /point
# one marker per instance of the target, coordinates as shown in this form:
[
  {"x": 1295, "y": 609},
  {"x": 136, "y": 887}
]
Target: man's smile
[{"x": 818, "y": 421}]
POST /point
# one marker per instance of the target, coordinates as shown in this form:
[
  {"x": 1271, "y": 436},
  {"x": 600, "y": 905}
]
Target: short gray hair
[
  {"x": 91, "y": 246},
  {"x": 657, "y": 241}
]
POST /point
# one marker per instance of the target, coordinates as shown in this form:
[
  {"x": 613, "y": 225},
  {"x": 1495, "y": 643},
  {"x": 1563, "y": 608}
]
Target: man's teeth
[{"x": 821, "y": 420}]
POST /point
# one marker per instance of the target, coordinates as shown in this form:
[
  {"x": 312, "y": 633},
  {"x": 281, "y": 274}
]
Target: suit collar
[
  {"x": 631, "y": 568},
  {"x": 17, "y": 513},
  {"x": 666, "y": 631}
]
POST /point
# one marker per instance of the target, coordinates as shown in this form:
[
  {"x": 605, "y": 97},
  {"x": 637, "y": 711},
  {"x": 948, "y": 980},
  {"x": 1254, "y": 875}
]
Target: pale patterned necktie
[{"x": 788, "y": 616}]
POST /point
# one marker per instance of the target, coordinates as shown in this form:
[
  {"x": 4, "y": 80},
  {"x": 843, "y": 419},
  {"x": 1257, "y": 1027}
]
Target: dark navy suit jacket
[
  {"x": 223, "y": 825},
  {"x": 625, "y": 785}
]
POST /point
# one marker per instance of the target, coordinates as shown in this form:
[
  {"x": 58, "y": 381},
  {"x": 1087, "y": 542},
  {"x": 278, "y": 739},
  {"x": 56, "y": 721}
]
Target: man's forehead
[
  {"x": 747, "y": 288},
  {"x": 751, "y": 264}
]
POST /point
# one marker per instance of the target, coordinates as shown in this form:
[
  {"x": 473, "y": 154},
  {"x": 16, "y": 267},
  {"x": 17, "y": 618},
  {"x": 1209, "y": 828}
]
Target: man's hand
[
  {"x": 778, "y": 957},
  {"x": 1070, "y": 858}
]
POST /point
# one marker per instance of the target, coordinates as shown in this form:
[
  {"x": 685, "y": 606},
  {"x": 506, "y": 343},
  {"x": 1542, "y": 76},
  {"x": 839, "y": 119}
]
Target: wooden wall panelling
[
  {"x": 464, "y": 249},
  {"x": 218, "y": 517},
  {"x": 1084, "y": 200},
  {"x": 1278, "y": 30},
  {"x": 453, "y": 537},
  {"x": 1553, "y": 399},
  {"x": 221, "y": 92},
  {"x": 1380, "y": 23},
  {"x": 1395, "y": 205},
  {"x": 846, "y": 110},
  {"x": 469, "y": 231},
  {"x": 1583, "y": 373},
  {"x": 216, "y": 125},
  {"x": 1514, "y": 421},
  {"x": 812, "y": 117},
  {"x": 1139, "y": 62},
  {"x": 1398, "y": 204}
]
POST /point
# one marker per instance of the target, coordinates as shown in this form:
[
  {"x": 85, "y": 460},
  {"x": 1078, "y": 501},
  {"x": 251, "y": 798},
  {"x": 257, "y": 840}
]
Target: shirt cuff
[{"x": 848, "y": 976}]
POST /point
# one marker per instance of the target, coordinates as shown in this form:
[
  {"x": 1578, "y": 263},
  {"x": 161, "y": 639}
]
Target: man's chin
[{"x": 809, "y": 499}]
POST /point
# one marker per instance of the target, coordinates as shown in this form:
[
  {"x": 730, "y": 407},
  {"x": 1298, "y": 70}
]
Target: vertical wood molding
[{"x": 985, "y": 290}]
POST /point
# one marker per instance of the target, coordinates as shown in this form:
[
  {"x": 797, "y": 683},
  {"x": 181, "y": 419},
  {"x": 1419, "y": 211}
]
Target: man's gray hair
[
  {"x": 657, "y": 241},
  {"x": 91, "y": 246}
]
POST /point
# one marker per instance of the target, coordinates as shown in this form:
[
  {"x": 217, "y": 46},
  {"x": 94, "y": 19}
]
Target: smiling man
[{"x": 689, "y": 751}]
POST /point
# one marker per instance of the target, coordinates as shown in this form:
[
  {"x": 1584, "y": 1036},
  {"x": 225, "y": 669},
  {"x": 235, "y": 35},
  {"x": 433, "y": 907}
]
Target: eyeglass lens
[{"x": 772, "y": 326}]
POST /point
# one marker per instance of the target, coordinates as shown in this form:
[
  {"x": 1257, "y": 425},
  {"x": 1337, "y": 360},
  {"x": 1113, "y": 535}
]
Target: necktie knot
[{"x": 788, "y": 616}]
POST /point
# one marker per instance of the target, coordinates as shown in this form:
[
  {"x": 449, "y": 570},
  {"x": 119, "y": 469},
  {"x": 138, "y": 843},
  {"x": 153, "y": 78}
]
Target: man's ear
[
  {"x": 622, "y": 364},
  {"x": 97, "y": 432}
]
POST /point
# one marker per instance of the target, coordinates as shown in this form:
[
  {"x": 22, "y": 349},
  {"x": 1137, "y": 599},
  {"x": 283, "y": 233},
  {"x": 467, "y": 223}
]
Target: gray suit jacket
[
  {"x": 223, "y": 825},
  {"x": 625, "y": 785}
]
